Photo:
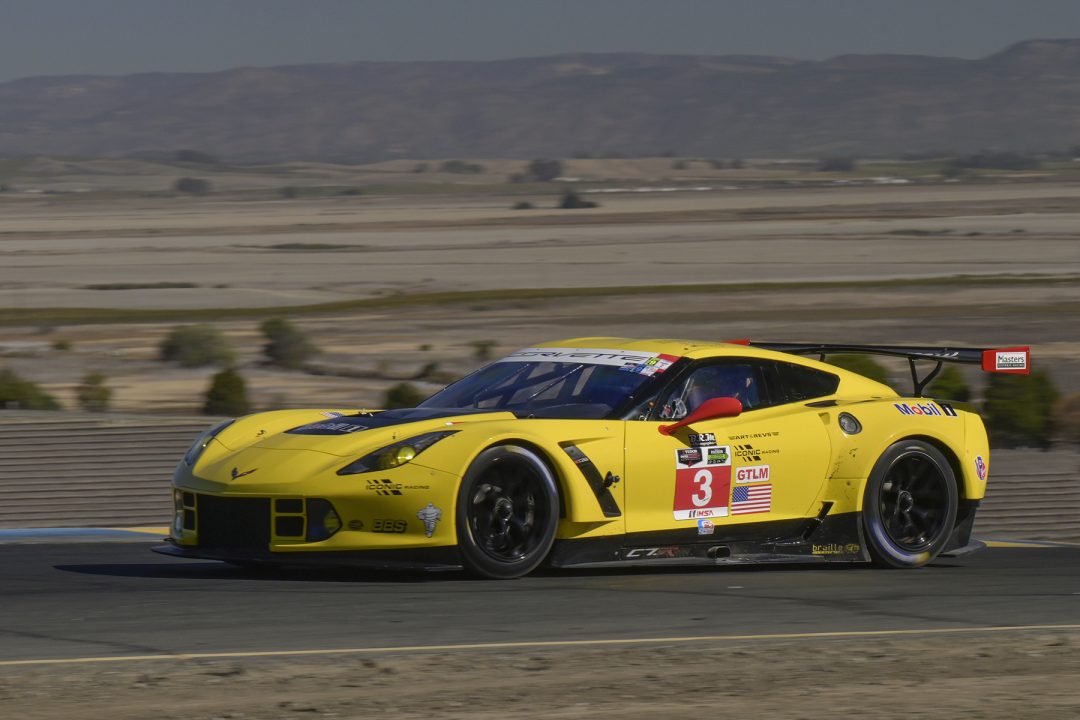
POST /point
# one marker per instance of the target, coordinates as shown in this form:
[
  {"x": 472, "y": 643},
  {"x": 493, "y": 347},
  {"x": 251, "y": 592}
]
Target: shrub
[
  {"x": 61, "y": 345},
  {"x": 461, "y": 167},
  {"x": 227, "y": 394},
  {"x": 1067, "y": 418},
  {"x": 192, "y": 186},
  {"x": 950, "y": 385},
  {"x": 572, "y": 201},
  {"x": 194, "y": 156},
  {"x": 523, "y": 205},
  {"x": 402, "y": 395},
  {"x": 836, "y": 164},
  {"x": 196, "y": 346},
  {"x": 289, "y": 192},
  {"x": 93, "y": 394},
  {"x": 19, "y": 394},
  {"x": 861, "y": 364},
  {"x": 1019, "y": 410},
  {"x": 543, "y": 170},
  {"x": 482, "y": 349},
  {"x": 288, "y": 346}
]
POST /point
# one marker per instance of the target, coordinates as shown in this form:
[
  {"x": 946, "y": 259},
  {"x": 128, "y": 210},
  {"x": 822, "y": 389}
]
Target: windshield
[{"x": 555, "y": 383}]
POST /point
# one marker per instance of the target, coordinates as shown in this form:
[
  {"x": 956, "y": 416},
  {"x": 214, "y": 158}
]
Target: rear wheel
[
  {"x": 910, "y": 505},
  {"x": 507, "y": 512}
]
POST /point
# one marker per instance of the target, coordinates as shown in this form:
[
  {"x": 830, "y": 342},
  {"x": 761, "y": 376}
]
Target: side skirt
[{"x": 834, "y": 538}]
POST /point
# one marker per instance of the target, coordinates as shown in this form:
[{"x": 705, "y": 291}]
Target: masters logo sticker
[{"x": 702, "y": 482}]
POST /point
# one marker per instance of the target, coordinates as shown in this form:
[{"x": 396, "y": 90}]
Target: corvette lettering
[{"x": 644, "y": 363}]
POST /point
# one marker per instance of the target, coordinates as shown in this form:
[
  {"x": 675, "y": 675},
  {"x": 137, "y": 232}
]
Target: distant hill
[{"x": 1026, "y": 97}]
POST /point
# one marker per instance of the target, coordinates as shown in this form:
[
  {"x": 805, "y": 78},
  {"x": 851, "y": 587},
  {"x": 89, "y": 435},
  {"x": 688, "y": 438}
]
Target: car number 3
[{"x": 703, "y": 494}]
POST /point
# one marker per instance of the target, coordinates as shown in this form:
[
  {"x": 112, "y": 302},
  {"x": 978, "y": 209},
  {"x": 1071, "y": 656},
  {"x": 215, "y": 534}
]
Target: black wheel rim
[
  {"x": 914, "y": 502},
  {"x": 508, "y": 513}
]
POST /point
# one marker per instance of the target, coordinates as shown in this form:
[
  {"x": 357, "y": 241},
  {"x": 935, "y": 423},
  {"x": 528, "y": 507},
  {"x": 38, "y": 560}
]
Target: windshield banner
[{"x": 636, "y": 361}]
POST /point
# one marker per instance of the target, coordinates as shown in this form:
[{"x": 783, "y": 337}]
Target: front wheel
[
  {"x": 909, "y": 507},
  {"x": 507, "y": 512}
]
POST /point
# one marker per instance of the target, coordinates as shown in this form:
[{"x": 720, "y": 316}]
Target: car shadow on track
[{"x": 219, "y": 571}]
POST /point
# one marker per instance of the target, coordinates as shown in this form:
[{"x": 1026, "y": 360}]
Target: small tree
[
  {"x": 1019, "y": 410},
  {"x": 1067, "y": 418},
  {"x": 950, "y": 385},
  {"x": 572, "y": 201},
  {"x": 287, "y": 345},
  {"x": 192, "y": 186},
  {"x": 227, "y": 394},
  {"x": 862, "y": 365},
  {"x": 93, "y": 394},
  {"x": 542, "y": 170},
  {"x": 196, "y": 346},
  {"x": 836, "y": 164},
  {"x": 402, "y": 395},
  {"x": 19, "y": 394},
  {"x": 482, "y": 349}
]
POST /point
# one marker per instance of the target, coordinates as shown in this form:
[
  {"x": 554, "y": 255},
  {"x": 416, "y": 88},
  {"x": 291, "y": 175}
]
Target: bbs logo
[{"x": 389, "y": 526}]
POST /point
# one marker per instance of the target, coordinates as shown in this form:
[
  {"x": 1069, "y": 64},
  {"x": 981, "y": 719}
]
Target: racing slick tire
[
  {"x": 507, "y": 512},
  {"x": 909, "y": 507}
]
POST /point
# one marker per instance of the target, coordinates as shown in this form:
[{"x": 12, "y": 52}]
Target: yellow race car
[{"x": 604, "y": 451}]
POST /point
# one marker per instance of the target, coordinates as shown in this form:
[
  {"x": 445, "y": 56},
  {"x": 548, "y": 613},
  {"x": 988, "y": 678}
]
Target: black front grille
[{"x": 234, "y": 523}]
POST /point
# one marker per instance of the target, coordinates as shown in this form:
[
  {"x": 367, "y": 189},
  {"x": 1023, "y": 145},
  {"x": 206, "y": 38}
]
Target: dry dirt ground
[
  {"x": 986, "y": 676},
  {"x": 53, "y": 252}
]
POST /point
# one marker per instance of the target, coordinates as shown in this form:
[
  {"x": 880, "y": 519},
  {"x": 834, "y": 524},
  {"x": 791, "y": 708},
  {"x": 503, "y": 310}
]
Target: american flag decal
[{"x": 748, "y": 499}]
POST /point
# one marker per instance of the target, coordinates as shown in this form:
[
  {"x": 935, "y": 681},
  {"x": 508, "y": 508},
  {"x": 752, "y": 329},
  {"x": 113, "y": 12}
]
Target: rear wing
[{"x": 1013, "y": 360}]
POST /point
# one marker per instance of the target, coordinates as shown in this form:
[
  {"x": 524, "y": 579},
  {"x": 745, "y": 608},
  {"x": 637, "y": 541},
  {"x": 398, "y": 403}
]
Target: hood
[{"x": 346, "y": 435}]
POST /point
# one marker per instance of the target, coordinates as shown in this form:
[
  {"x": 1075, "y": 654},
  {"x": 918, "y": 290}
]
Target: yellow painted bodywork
[{"x": 811, "y": 460}]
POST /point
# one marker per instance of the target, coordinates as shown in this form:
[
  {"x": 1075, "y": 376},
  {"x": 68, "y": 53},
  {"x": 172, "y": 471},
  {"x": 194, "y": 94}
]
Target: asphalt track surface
[{"x": 113, "y": 600}]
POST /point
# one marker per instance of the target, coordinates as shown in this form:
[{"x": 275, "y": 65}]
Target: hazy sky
[{"x": 51, "y": 37}]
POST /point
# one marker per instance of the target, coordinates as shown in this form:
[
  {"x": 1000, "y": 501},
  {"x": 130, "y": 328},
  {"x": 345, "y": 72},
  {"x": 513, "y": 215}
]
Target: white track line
[{"x": 537, "y": 645}]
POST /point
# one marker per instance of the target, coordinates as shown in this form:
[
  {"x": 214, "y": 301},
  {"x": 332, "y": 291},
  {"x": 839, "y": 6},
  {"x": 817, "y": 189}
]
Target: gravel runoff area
[{"x": 1006, "y": 675}]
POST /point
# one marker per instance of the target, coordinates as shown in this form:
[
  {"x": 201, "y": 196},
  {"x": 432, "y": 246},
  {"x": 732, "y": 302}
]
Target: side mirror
[{"x": 711, "y": 409}]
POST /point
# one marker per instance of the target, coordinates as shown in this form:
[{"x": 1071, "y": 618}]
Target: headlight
[
  {"x": 394, "y": 455},
  {"x": 202, "y": 441}
]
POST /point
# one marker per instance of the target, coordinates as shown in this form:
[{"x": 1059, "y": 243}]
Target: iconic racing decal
[
  {"x": 752, "y": 473},
  {"x": 702, "y": 482},
  {"x": 389, "y": 487},
  {"x": 705, "y": 527},
  {"x": 430, "y": 516},
  {"x": 645, "y": 363},
  {"x": 835, "y": 549},
  {"x": 749, "y": 499},
  {"x": 389, "y": 526},
  {"x": 701, "y": 440},
  {"x": 927, "y": 408},
  {"x": 749, "y": 452},
  {"x": 237, "y": 474},
  {"x": 980, "y": 467}
]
